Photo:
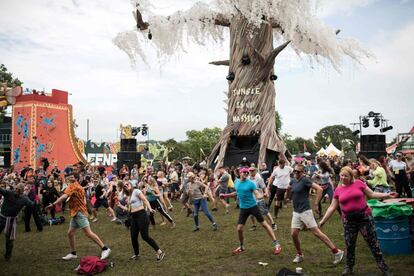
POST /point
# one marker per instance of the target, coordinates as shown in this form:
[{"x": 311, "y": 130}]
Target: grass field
[{"x": 187, "y": 253}]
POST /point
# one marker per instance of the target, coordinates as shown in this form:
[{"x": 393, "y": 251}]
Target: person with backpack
[{"x": 75, "y": 195}]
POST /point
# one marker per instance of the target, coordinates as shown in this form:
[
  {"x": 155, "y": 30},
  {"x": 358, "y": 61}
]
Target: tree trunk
[{"x": 251, "y": 96}]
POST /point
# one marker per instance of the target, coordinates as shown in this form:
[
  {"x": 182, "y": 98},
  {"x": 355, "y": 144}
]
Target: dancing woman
[
  {"x": 198, "y": 197},
  {"x": 153, "y": 194},
  {"x": 139, "y": 221},
  {"x": 356, "y": 217}
]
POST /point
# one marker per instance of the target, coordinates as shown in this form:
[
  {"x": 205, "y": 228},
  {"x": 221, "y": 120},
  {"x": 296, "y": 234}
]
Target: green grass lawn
[{"x": 187, "y": 253}]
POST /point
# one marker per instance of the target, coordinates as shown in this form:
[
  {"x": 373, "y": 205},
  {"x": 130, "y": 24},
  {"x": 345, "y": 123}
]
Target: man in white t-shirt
[
  {"x": 280, "y": 180},
  {"x": 399, "y": 175}
]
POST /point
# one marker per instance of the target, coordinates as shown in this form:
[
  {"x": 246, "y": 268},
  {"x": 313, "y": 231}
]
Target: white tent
[
  {"x": 331, "y": 150},
  {"x": 321, "y": 152}
]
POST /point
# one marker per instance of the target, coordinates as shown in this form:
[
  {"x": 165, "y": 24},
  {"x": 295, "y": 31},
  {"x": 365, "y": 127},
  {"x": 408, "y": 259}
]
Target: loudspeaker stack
[
  {"x": 128, "y": 154},
  {"x": 373, "y": 146}
]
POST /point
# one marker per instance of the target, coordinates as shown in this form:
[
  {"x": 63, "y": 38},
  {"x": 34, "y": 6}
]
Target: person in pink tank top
[{"x": 350, "y": 196}]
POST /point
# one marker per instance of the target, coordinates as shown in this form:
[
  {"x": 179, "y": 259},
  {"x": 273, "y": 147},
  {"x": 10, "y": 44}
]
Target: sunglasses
[{"x": 245, "y": 172}]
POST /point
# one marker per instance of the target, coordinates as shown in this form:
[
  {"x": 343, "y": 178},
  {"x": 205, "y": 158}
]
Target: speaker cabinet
[
  {"x": 373, "y": 146},
  {"x": 129, "y": 159},
  {"x": 129, "y": 145}
]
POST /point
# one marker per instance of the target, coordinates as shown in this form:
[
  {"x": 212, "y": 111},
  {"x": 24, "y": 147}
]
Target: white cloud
[{"x": 327, "y": 8}]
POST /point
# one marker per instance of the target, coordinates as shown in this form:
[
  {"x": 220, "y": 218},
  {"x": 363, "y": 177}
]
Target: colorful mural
[
  {"x": 96, "y": 153},
  {"x": 43, "y": 128}
]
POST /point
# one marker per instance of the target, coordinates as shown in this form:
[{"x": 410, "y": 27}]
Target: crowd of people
[{"x": 134, "y": 196}]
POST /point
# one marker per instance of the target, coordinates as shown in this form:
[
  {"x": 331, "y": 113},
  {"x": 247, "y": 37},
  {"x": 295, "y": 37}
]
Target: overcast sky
[{"x": 67, "y": 45}]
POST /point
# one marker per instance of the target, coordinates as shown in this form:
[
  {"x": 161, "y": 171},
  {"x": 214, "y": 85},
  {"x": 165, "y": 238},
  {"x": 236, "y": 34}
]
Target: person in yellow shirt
[{"x": 379, "y": 183}]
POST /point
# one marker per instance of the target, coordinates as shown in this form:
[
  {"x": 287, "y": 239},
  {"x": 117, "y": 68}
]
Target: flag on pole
[
  {"x": 201, "y": 150},
  {"x": 305, "y": 149}
]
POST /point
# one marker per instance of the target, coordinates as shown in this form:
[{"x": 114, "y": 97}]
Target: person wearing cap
[
  {"x": 399, "y": 175},
  {"x": 247, "y": 193},
  {"x": 302, "y": 216},
  {"x": 261, "y": 188}
]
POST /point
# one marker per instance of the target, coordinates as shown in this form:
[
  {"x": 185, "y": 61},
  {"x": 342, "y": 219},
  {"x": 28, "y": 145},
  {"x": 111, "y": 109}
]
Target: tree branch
[
  {"x": 221, "y": 62},
  {"x": 140, "y": 23},
  {"x": 273, "y": 54},
  {"x": 221, "y": 20}
]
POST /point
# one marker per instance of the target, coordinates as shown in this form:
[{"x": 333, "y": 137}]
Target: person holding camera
[{"x": 356, "y": 217}]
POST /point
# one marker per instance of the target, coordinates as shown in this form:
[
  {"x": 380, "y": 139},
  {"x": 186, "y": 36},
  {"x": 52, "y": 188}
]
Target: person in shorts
[
  {"x": 302, "y": 214},
  {"x": 261, "y": 188},
  {"x": 247, "y": 193},
  {"x": 75, "y": 195}
]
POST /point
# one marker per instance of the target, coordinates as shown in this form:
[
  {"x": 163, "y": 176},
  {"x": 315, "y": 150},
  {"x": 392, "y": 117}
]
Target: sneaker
[
  {"x": 338, "y": 257},
  {"x": 274, "y": 226},
  {"x": 214, "y": 209},
  {"x": 170, "y": 208},
  {"x": 69, "y": 257},
  {"x": 160, "y": 256},
  {"x": 238, "y": 250},
  {"x": 105, "y": 253},
  {"x": 215, "y": 227},
  {"x": 278, "y": 249},
  {"x": 114, "y": 219},
  {"x": 173, "y": 225},
  {"x": 196, "y": 229},
  {"x": 253, "y": 228},
  {"x": 95, "y": 220},
  {"x": 347, "y": 271},
  {"x": 163, "y": 223},
  {"x": 134, "y": 257},
  {"x": 298, "y": 258}
]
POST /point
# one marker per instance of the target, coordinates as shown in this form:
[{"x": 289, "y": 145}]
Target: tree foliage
[
  {"x": 297, "y": 145},
  {"x": 334, "y": 134},
  {"x": 201, "y": 143},
  {"x": 198, "y": 145},
  {"x": 177, "y": 149},
  {"x": 7, "y": 77}
]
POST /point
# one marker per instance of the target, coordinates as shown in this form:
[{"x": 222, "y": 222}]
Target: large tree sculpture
[{"x": 253, "y": 26}]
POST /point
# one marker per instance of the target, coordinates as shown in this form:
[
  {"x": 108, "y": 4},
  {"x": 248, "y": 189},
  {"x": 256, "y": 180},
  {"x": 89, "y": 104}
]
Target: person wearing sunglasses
[
  {"x": 399, "y": 175},
  {"x": 303, "y": 216},
  {"x": 248, "y": 195}
]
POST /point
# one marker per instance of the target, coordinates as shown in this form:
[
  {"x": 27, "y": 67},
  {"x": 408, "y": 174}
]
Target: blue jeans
[
  {"x": 381, "y": 189},
  {"x": 327, "y": 190},
  {"x": 203, "y": 203}
]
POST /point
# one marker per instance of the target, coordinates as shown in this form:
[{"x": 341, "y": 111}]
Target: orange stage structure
[{"x": 42, "y": 127}]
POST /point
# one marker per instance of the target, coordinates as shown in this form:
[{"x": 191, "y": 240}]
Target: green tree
[
  {"x": 178, "y": 149},
  {"x": 200, "y": 143},
  {"x": 7, "y": 77},
  {"x": 296, "y": 145},
  {"x": 278, "y": 122},
  {"x": 334, "y": 134}
]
